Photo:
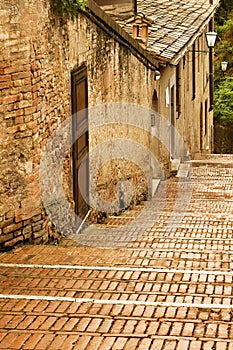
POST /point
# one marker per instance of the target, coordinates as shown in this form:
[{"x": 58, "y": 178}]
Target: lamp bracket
[{"x": 205, "y": 51}]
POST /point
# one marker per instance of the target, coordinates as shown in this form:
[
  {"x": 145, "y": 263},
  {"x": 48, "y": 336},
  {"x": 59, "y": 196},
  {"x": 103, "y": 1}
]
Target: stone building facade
[
  {"x": 40, "y": 55},
  {"x": 91, "y": 83},
  {"x": 175, "y": 35}
]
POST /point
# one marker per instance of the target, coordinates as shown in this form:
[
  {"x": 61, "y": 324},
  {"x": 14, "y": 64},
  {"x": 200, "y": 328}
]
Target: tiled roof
[{"x": 176, "y": 23}]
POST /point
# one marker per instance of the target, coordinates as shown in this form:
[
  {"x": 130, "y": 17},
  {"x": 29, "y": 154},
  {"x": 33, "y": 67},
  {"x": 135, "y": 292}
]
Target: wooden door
[{"x": 80, "y": 142}]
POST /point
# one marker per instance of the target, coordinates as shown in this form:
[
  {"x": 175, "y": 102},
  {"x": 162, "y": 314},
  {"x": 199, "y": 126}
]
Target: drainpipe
[
  {"x": 135, "y": 8},
  {"x": 211, "y": 77}
]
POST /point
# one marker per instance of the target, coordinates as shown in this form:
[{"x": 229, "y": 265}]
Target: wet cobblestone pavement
[{"x": 157, "y": 277}]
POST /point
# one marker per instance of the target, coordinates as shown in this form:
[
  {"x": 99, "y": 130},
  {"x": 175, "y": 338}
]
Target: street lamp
[
  {"x": 211, "y": 40},
  {"x": 157, "y": 75},
  {"x": 224, "y": 65}
]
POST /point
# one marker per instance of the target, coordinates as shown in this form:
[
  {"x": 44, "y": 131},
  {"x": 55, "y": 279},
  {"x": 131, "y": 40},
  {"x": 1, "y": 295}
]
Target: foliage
[
  {"x": 69, "y": 7},
  {"x": 224, "y": 49},
  {"x": 223, "y": 11},
  {"x": 223, "y": 111}
]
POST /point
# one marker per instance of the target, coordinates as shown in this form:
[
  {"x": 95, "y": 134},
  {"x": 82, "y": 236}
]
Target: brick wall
[{"x": 38, "y": 53}]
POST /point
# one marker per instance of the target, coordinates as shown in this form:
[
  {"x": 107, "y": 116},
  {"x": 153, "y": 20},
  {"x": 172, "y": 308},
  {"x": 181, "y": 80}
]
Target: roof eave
[{"x": 176, "y": 59}]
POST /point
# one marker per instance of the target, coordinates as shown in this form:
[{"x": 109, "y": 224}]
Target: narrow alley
[{"x": 157, "y": 277}]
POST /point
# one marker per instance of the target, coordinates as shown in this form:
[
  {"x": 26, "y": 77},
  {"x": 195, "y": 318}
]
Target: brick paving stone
[
  {"x": 129, "y": 327},
  {"x": 5, "y": 320},
  {"x": 164, "y": 328},
  {"x": 69, "y": 342},
  {"x": 72, "y": 309},
  {"x": 52, "y": 306},
  {"x": 57, "y": 342},
  {"x": 170, "y": 312},
  {"x": 83, "y": 324},
  {"x": 209, "y": 345},
  {"x": 221, "y": 345},
  {"x": 118, "y": 326},
  {"x": 157, "y": 344},
  {"x": 31, "y": 305},
  {"x": 82, "y": 342},
  {"x": 182, "y": 312},
  {"x": 2, "y": 335},
  {"x": 38, "y": 322},
  {"x": 127, "y": 310},
  {"x": 116, "y": 310},
  {"x": 223, "y": 331},
  {"x": 159, "y": 312},
  {"x": 211, "y": 331},
  {"x": 176, "y": 329},
  {"x": 20, "y": 305},
  {"x": 7, "y": 340},
  {"x": 32, "y": 341},
  {"x": 27, "y": 320},
  {"x": 48, "y": 323},
  {"x": 19, "y": 341},
  {"x": 94, "y": 343},
  {"x": 106, "y": 310},
  {"x": 192, "y": 313},
  {"x": 105, "y": 326},
  {"x": 183, "y": 345},
  {"x": 131, "y": 344},
  {"x": 188, "y": 329},
  {"x": 41, "y": 306},
  {"x": 230, "y": 346},
  {"x": 195, "y": 345},
  {"x": 144, "y": 344},
  {"x": 62, "y": 307},
  {"x": 45, "y": 341},
  {"x": 119, "y": 343},
  {"x": 170, "y": 345},
  {"x": 13, "y": 323},
  {"x": 107, "y": 343},
  {"x": 59, "y": 324}
]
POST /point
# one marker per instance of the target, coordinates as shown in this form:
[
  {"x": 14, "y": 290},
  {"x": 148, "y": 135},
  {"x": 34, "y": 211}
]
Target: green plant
[
  {"x": 223, "y": 109},
  {"x": 69, "y": 7},
  {"x": 224, "y": 49}
]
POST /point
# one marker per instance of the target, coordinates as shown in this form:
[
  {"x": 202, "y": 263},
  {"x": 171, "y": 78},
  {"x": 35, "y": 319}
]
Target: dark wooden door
[{"x": 80, "y": 145}]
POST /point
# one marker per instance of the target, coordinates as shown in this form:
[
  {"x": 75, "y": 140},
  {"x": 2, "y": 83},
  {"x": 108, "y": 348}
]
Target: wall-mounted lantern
[
  {"x": 157, "y": 75},
  {"x": 211, "y": 39},
  {"x": 224, "y": 65}
]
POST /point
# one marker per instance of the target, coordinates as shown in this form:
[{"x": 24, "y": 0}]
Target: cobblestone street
[{"x": 157, "y": 277}]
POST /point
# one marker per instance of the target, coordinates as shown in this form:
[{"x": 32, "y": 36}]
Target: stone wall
[
  {"x": 39, "y": 51},
  {"x": 223, "y": 138}
]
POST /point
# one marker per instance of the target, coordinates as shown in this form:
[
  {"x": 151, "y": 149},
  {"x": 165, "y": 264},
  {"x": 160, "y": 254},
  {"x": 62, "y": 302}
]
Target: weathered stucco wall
[
  {"x": 193, "y": 120},
  {"x": 38, "y": 53}
]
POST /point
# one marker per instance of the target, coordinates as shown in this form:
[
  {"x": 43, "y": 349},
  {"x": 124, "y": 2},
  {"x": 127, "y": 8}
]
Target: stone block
[{"x": 13, "y": 227}]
